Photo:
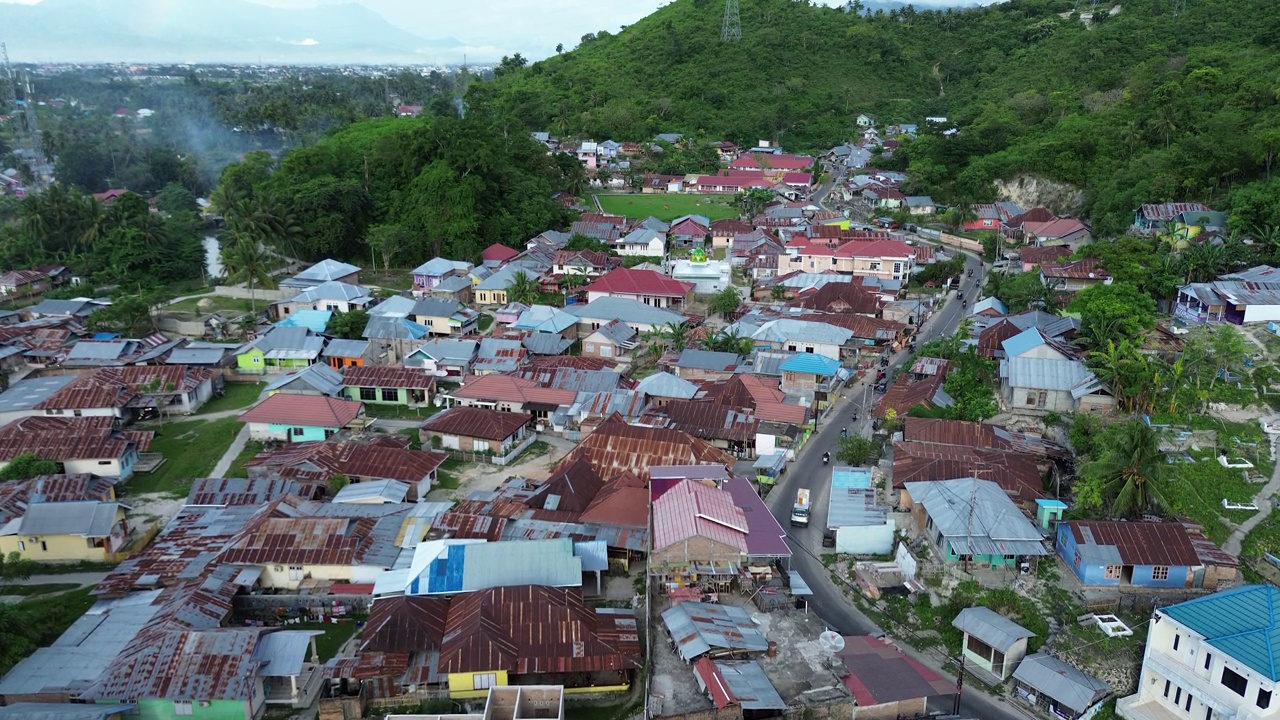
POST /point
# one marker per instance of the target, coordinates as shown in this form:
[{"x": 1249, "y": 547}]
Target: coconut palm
[
  {"x": 524, "y": 288},
  {"x": 779, "y": 292},
  {"x": 1131, "y": 471},
  {"x": 246, "y": 260}
]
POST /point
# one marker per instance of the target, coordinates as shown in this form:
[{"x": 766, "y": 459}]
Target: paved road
[{"x": 828, "y": 600}]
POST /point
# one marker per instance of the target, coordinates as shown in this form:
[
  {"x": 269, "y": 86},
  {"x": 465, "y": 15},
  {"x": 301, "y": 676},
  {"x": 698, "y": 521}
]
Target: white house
[
  {"x": 1212, "y": 657},
  {"x": 642, "y": 242}
]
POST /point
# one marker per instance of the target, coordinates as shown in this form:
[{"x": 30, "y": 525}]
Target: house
[
  {"x": 352, "y": 353},
  {"x": 990, "y": 307},
  {"x": 546, "y": 319},
  {"x": 880, "y": 258},
  {"x": 690, "y": 230},
  {"x": 616, "y": 446},
  {"x": 494, "y": 256},
  {"x": 1210, "y": 657},
  {"x": 724, "y": 231},
  {"x": 907, "y": 392},
  {"x": 1075, "y": 276},
  {"x": 612, "y": 340},
  {"x": 499, "y": 355},
  {"x": 444, "y": 317},
  {"x": 1020, "y": 474},
  {"x": 1059, "y": 232},
  {"x": 323, "y": 272},
  {"x": 79, "y": 530},
  {"x": 642, "y": 242},
  {"x": 694, "y": 364},
  {"x": 789, "y": 335},
  {"x": 640, "y": 317},
  {"x": 1156, "y": 219},
  {"x": 382, "y": 385},
  {"x": 887, "y": 683},
  {"x": 973, "y": 522},
  {"x": 360, "y": 463},
  {"x": 493, "y": 290},
  {"x": 648, "y": 287},
  {"x": 809, "y": 374},
  {"x": 17, "y": 284},
  {"x": 280, "y": 349},
  {"x": 1032, "y": 256},
  {"x": 1143, "y": 554},
  {"x": 312, "y": 380},
  {"x": 1037, "y": 385},
  {"x": 333, "y": 296},
  {"x": 1248, "y": 296},
  {"x": 432, "y": 272},
  {"x": 129, "y": 393},
  {"x": 1058, "y": 688},
  {"x": 856, "y": 520},
  {"x": 699, "y": 535},
  {"x": 584, "y": 263},
  {"x": 699, "y": 628},
  {"x": 920, "y": 204},
  {"x": 78, "y": 308},
  {"x": 742, "y": 683},
  {"x": 77, "y": 444},
  {"x": 1188, "y": 225},
  {"x": 840, "y": 297},
  {"x": 992, "y": 641},
  {"x": 444, "y": 358},
  {"x": 511, "y": 394},
  {"x": 300, "y": 418},
  {"x": 476, "y": 429},
  {"x": 865, "y": 121}
]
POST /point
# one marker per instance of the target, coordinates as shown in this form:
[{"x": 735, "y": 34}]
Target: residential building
[
  {"x": 77, "y": 444},
  {"x": 1210, "y": 657},
  {"x": 332, "y": 296},
  {"x": 973, "y": 522},
  {"x": 585, "y": 263},
  {"x": 642, "y": 242},
  {"x": 300, "y": 418},
  {"x": 616, "y": 446},
  {"x": 496, "y": 255},
  {"x": 78, "y": 308},
  {"x": 920, "y": 204},
  {"x": 1058, "y": 688},
  {"x": 699, "y": 535},
  {"x": 444, "y": 317},
  {"x": 133, "y": 392},
  {"x": 1248, "y": 296},
  {"x": 546, "y": 319},
  {"x": 1032, "y": 256},
  {"x": 477, "y": 429},
  {"x": 16, "y": 284},
  {"x": 340, "y": 353},
  {"x": 499, "y": 355},
  {"x": 1156, "y": 219},
  {"x": 695, "y": 364},
  {"x": 88, "y": 530},
  {"x": 838, "y": 297},
  {"x": 444, "y": 358},
  {"x": 511, "y": 394},
  {"x": 1061, "y": 232},
  {"x": 648, "y": 287},
  {"x": 493, "y": 290},
  {"x": 382, "y": 385},
  {"x": 887, "y": 683},
  {"x": 1169, "y": 555},
  {"x": 794, "y": 336},
  {"x": 313, "y": 380},
  {"x": 280, "y": 349},
  {"x": 881, "y": 258},
  {"x": 434, "y": 271},
  {"x": 1021, "y": 475},
  {"x": 636, "y": 315},
  {"x": 1075, "y": 276},
  {"x": 907, "y": 392},
  {"x": 810, "y": 374},
  {"x": 857, "y": 522},
  {"x": 991, "y": 641},
  {"x": 322, "y": 272},
  {"x": 1042, "y": 385},
  {"x": 359, "y": 462}
]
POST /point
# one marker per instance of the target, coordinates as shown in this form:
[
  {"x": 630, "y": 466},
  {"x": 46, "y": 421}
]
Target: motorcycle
[
  {"x": 826, "y": 458},
  {"x": 855, "y": 417},
  {"x": 844, "y": 432}
]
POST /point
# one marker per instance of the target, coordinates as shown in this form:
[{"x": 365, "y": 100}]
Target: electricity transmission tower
[
  {"x": 1178, "y": 7},
  {"x": 732, "y": 27}
]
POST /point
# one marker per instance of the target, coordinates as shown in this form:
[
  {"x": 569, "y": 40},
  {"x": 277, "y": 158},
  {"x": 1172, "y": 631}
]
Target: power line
[{"x": 731, "y": 29}]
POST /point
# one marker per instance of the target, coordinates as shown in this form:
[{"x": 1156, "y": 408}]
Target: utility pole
[
  {"x": 731, "y": 29},
  {"x": 973, "y": 499}
]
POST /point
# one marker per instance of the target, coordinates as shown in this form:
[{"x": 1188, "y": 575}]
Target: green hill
[{"x": 1140, "y": 105}]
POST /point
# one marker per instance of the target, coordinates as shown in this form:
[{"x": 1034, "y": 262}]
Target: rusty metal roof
[
  {"x": 709, "y": 420},
  {"x": 17, "y": 495},
  {"x": 580, "y": 362},
  {"x": 117, "y": 387},
  {"x": 358, "y": 461},
  {"x": 302, "y": 541},
  {"x": 477, "y": 422},
  {"x": 238, "y": 491},
  {"x": 69, "y": 438},
  {"x": 1018, "y": 474},
  {"x": 184, "y": 665},
  {"x": 570, "y": 489},
  {"x": 615, "y": 447},
  {"x": 382, "y": 376},
  {"x": 508, "y": 388},
  {"x": 405, "y": 624},
  {"x": 904, "y": 394},
  {"x": 311, "y": 410},
  {"x": 1139, "y": 543}
]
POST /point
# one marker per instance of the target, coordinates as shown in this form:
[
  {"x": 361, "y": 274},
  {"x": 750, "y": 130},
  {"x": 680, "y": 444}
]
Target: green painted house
[
  {"x": 300, "y": 418},
  {"x": 974, "y": 521},
  {"x": 281, "y": 349},
  {"x": 382, "y": 385}
]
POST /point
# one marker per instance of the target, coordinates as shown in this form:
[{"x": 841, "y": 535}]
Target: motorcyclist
[
  {"x": 826, "y": 458},
  {"x": 844, "y": 432}
]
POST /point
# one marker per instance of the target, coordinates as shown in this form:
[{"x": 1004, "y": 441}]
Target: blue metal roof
[
  {"x": 313, "y": 320},
  {"x": 844, "y": 478},
  {"x": 1024, "y": 341},
  {"x": 811, "y": 363},
  {"x": 1240, "y": 622}
]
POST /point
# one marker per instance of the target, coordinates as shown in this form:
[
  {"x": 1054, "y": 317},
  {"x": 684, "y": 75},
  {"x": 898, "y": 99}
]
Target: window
[
  {"x": 1234, "y": 681},
  {"x": 257, "y": 360},
  {"x": 104, "y": 462},
  {"x": 1166, "y": 688},
  {"x": 44, "y": 546},
  {"x": 1208, "y": 658},
  {"x": 77, "y": 413},
  {"x": 1176, "y": 639},
  {"x": 833, "y": 261},
  {"x": 1031, "y": 398},
  {"x": 297, "y": 432},
  {"x": 390, "y": 395},
  {"x": 1042, "y": 399},
  {"x": 897, "y": 268},
  {"x": 484, "y": 681},
  {"x": 368, "y": 393},
  {"x": 1187, "y": 707},
  {"x": 874, "y": 266},
  {"x": 1177, "y": 696},
  {"x": 1208, "y": 713},
  {"x": 1160, "y": 572},
  {"x": 182, "y": 707},
  {"x": 1264, "y": 699},
  {"x": 22, "y": 546},
  {"x": 1112, "y": 572},
  {"x": 606, "y": 351}
]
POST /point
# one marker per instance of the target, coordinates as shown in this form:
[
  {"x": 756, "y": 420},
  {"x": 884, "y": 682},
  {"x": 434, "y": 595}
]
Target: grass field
[
  {"x": 191, "y": 449},
  {"x": 669, "y": 207},
  {"x": 335, "y": 634},
  {"x": 234, "y": 397},
  {"x": 216, "y": 303}
]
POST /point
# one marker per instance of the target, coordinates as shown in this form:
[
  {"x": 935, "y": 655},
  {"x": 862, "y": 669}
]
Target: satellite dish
[
  {"x": 757, "y": 618},
  {"x": 831, "y": 641}
]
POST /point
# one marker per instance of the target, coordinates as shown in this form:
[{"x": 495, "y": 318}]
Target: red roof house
[
  {"x": 497, "y": 254},
  {"x": 647, "y": 286}
]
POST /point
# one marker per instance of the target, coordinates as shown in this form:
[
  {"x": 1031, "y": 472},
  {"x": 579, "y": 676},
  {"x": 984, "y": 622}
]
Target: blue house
[{"x": 1110, "y": 553}]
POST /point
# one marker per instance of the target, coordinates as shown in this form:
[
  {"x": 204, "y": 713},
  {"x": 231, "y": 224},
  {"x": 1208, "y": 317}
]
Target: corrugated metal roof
[
  {"x": 1056, "y": 679},
  {"x": 545, "y": 343},
  {"x": 697, "y": 628},
  {"x": 749, "y": 685},
  {"x": 63, "y": 711},
  {"x": 666, "y": 385},
  {"x": 616, "y": 446},
  {"x": 332, "y": 290},
  {"x": 990, "y": 627},
  {"x": 284, "y": 652},
  {"x": 327, "y": 269},
  {"x": 381, "y": 376},
  {"x": 311, "y": 410},
  {"x": 691, "y": 509},
  {"x": 393, "y": 328},
  {"x": 1047, "y": 374},
  {"x": 387, "y": 491},
  {"x": 346, "y": 348},
  {"x": 626, "y": 310},
  {"x": 477, "y": 422},
  {"x": 70, "y": 438},
  {"x": 318, "y": 377},
  {"x": 1241, "y": 622},
  {"x": 879, "y": 673},
  {"x": 312, "y": 320},
  {"x": 708, "y": 360},
  {"x": 82, "y": 518},
  {"x": 998, "y": 527},
  {"x": 807, "y": 362},
  {"x": 30, "y": 392},
  {"x": 765, "y": 537},
  {"x": 1138, "y": 543}
]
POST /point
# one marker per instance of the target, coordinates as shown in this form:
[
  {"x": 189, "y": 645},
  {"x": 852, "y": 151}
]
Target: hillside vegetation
[{"x": 1141, "y": 105}]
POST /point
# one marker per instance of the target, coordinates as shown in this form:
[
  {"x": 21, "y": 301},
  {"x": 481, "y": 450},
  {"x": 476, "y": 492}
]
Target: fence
[
  {"x": 963, "y": 243},
  {"x": 476, "y": 457}
]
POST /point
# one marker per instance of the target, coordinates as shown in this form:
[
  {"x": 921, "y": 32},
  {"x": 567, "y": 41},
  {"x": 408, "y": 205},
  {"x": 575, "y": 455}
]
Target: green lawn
[
  {"x": 447, "y": 474},
  {"x": 237, "y": 469},
  {"x": 400, "y": 412},
  {"x": 485, "y": 321},
  {"x": 216, "y": 303},
  {"x": 328, "y": 644},
  {"x": 191, "y": 449},
  {"x": 669, "y": 207},
  {"x": 234, "y": 397},
  {"x": 41, "y": 589},
  {"x": 391, "y": 280}
]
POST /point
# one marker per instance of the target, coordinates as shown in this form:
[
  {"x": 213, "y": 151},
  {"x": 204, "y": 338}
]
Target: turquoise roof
[
  {"x": 1024, "y": 341},
  {"x": 313, "y": 320},
  {"x": 1240, "y": 622},
  {"x": 811, "y": 363}
]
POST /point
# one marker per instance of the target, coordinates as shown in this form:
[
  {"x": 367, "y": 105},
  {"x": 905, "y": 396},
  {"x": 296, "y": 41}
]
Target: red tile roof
[
  {"x": 309, "y": 410},
  {"x": 628, "y": 281},
  {"x": 476, "y": 422},
  {"x": 498, "y": 252}
]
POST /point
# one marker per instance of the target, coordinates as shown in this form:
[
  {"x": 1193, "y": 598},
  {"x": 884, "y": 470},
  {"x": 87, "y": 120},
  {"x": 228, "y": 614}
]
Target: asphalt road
[{"x": 828, "y": 601}]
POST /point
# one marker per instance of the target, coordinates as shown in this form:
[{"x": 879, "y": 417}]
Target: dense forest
[{"x": 1141, "y": 104}]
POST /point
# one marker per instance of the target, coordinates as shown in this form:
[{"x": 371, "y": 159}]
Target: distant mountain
[{"x": 210, "y": 31}]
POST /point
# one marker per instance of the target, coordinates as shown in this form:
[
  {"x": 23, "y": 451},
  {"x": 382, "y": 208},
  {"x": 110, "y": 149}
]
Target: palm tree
[
  {"x": 1047, "y": 295},
  {"x": 1131, "y": 471},
  {"x": 524, "y": 288},
  {"x": 779, "y": 292},
  {"x": 246, "y": 260}
]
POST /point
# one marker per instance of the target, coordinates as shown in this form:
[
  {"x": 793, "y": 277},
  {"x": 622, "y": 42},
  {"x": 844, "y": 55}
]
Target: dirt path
[
  {"x": 486, "y": 477},
  {"x": 1263, "y": 501}
]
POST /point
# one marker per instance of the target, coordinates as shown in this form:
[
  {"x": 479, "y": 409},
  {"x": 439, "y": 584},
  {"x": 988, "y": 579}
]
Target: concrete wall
[
  {"x": 866, "y": 540},
  {"x": 697, "y": 549},
  {"x": 960, "y": 242}
]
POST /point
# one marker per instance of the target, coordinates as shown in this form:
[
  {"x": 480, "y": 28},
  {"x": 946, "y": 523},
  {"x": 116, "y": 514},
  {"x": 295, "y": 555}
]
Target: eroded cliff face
[{"x": 1032, "y": 191}]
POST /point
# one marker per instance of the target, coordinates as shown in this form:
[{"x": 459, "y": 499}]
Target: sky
[{"x": 530, "y": 27}]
